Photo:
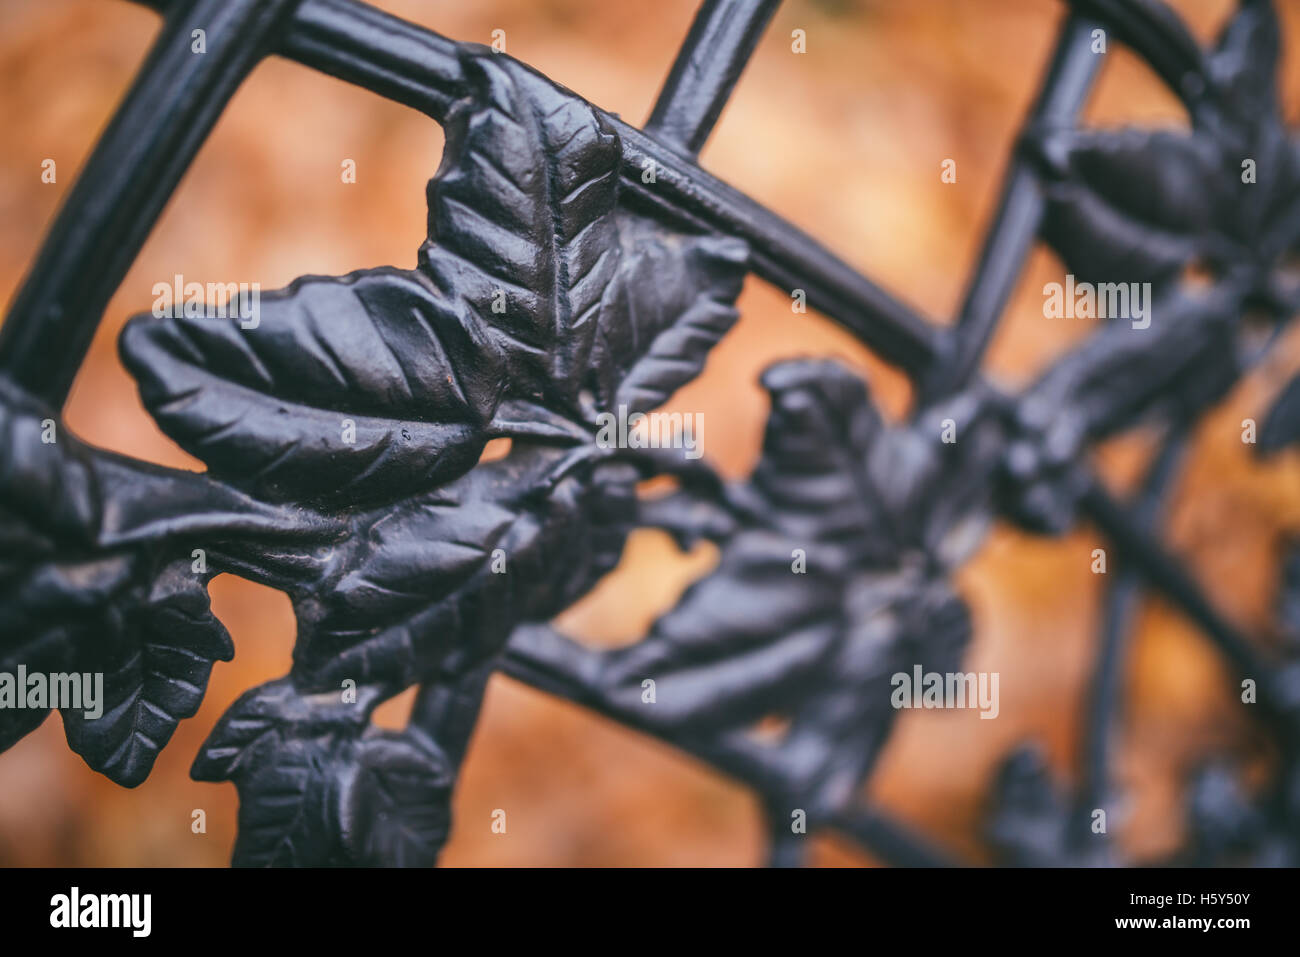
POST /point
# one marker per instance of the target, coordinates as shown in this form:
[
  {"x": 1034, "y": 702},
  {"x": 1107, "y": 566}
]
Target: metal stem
[
  {"x": 721, "y": 40},
  {"x": 167, "y": 114},
  {"x": 1020, "y": 212}
]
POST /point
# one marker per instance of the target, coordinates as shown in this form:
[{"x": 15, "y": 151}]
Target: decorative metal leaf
[
  {"x": 1142, "y": 206},
  {"x": 531, "y": 289},
  {"x": 537, "y": 303},
  {"x": 343, "y": 430},
  {"x": 156, "y": 654},
  {"x": 94, "y": 578},
  {"x": 317, "y": 788},
  {"x": 1173, "y": 370},
  {"x": 395, "y": 810},
  {"x": 413, "y": 589},
  {"x": 1137, "y": 206}
]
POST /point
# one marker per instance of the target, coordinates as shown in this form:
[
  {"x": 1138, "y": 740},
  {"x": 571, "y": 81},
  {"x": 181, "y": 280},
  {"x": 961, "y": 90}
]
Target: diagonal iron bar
[
  {"x": 173, "y": 104},
  {"x": 734, "y": 756},
  {"x": 1121, "y": 605},
  {"x": 1156, "y": 33},
  {"x": 1019, "y": 215},
  {"x": 1163, "y": 571},
  {"x": 719, "y": 45},
  {"x": 167, "y": 114},
  {"x": 418, "y": 68}
]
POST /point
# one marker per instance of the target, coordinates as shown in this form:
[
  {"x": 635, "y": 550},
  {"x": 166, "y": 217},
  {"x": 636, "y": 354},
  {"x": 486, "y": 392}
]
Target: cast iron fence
[{"x": 578, "y": 268}]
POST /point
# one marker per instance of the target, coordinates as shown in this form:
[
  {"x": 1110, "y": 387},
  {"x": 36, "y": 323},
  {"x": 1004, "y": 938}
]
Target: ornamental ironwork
[{"x": 577, "y": 272}]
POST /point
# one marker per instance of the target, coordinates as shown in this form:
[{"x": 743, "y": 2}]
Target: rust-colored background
[{"x": 846, "y": 141}]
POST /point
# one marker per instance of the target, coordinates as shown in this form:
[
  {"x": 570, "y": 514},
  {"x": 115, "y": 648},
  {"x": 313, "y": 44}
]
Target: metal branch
[
  {"x": 719, "y": 45},
  {"x": 1121, "y": 605},
  {"x": 566, "y": 520},
  {"x": 420, "y": 69},
  {"x": 1160, "y": 37},
  {"x": 1020, "y": 212},
  {"x": 736, "y": 756},
  {"x": 888, "y": 839},
  {"x": 167, "y": 114},
  {"x": 1163, "y": 571}
]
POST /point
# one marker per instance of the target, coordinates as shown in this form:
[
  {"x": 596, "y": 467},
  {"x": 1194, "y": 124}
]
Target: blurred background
[{"x": 846, "y": 141}]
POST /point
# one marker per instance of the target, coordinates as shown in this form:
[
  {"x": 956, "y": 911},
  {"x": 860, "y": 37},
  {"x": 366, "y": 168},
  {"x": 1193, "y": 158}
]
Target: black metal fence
[{"x": 577, "y": 272}]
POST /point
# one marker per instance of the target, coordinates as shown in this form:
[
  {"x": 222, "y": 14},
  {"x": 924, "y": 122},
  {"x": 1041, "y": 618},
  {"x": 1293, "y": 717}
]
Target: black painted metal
[
  {"x": 720, "y": 43},
  {"x": 576, "y": 265},
  {"x": 1020, "y": 211},
  {"x": 165, "y": 118}
]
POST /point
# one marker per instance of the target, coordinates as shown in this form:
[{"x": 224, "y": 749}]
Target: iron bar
[
  {"x": 717, "y": 48},
  {"x": 1073, "y": 67},
  {"x": 1159, "y": 36},
  {"x": 1121, "y": 606},
  {"x": 1167, "y": 575},
  {"x": 164, "y": 120},
  {"x": 166, "y": 116},
  {"x": 419, "y": 68},
  {"x": 737, "y": 757}
]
